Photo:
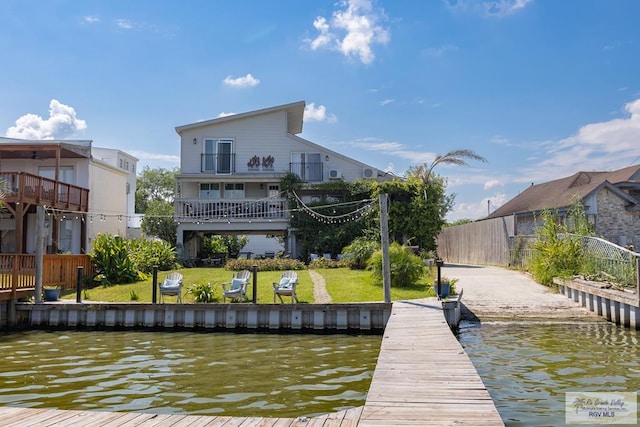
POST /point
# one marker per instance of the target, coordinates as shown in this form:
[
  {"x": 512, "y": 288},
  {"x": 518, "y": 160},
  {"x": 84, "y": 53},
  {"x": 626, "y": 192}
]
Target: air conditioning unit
[
  {"x": 367, "y": 173},
  {"x": 335, "y": 174}
]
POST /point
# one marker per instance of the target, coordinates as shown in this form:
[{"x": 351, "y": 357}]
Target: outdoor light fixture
[
  {"x": 326, "y": 158},
  {"x": 195, "y": 141}
]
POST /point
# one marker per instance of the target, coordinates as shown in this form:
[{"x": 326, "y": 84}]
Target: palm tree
[{"x": 454, "y": 157}]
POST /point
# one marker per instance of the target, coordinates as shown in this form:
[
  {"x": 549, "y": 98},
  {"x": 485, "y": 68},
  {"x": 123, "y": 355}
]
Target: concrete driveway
[{"x": 500, "y": 293}]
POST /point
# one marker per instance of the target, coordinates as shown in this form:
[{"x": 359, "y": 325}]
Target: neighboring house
[
  {"x": 611, "y": 202},
  {"x": 83, "y": 196},
  {"x": 128, "y": 163},
  {"x": 230, "y": 172}
]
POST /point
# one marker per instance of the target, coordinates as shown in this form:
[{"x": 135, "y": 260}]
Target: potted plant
[
  {"x": 447, "y": 286},
  {"x": 51, "y": 293}
]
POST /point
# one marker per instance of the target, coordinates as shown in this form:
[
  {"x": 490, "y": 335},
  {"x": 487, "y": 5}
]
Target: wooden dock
[{"x": 423, "y": 377}]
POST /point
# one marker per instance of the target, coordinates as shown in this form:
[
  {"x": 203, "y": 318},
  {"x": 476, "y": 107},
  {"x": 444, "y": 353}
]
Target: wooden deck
[{"x": 423, "y": 377}]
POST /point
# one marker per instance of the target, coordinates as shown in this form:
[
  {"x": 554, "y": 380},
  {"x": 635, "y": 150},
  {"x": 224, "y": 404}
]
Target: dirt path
[
  {"x": 320, "y": 294},
  {"x": 499, "y": 293}
]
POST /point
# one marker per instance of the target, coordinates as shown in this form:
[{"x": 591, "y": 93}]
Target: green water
[
  {"x": 528, "y": 367},
  {"x": 187, "y": 373}
]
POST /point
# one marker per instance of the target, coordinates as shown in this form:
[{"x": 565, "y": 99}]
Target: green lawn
[{"x": 343, "y": 285}]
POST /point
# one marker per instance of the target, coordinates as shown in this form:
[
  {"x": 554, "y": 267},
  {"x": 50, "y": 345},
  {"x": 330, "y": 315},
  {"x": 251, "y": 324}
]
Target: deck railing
[
  {"x": 24, "y": 187},
  {"x": 223, "y": 210}
]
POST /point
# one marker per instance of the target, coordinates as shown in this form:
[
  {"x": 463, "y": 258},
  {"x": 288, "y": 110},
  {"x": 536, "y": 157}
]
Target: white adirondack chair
[
  {"x": 172, "y": 285},
  {"x": 286, "y": 286}
]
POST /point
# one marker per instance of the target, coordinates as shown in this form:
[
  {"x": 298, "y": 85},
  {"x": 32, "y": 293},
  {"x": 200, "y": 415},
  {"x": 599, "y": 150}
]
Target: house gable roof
[
  {"x": 562, "y": 192},
  {"x": 295, "y": 113}
]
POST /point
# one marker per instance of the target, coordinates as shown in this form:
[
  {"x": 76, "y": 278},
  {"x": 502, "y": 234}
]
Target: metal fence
[{"x": 602, "y": 259}]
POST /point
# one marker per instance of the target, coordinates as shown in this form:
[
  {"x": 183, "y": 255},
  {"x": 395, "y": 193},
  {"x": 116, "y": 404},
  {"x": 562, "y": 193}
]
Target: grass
[{"x": 343, "y": 285}]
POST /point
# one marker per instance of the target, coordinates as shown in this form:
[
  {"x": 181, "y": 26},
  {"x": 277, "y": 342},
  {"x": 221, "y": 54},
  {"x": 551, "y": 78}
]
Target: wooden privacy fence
[
  {"x": 57, "y": 270},
  {"x": 483, "y": 242}
]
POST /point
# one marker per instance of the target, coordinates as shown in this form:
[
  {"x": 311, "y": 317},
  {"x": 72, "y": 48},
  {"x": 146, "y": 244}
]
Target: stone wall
[{"x": 614, "y": 223}]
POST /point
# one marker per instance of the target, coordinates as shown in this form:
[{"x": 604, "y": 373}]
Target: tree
[
  {"x": 154, "y": 184},
  {"x": 416, "y": 211},
  {"x": 158, "y": 221},
  {"x": 454, "y": 157},
  {"x": 154, "y": 198}
]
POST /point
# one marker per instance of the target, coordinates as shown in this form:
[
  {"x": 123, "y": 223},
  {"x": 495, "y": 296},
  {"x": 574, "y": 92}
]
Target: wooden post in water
[
  {"x": 254, "y": 296},
  {"x": 79, "y": 276},
  {"x": 154, "y": 291},
  {"x": 40, "y": 241},
  {"x": 384, "y": 241}
]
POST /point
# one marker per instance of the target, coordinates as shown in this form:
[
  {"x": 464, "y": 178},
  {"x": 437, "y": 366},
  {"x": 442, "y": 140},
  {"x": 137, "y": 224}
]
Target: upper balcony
[{"x": 22, "y": 187}]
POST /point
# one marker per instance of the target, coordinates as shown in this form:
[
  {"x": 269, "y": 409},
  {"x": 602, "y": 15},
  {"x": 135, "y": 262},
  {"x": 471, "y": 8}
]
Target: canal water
[
  {"x": 187, "y": 372},
  {"x": 528, "y": 367}
]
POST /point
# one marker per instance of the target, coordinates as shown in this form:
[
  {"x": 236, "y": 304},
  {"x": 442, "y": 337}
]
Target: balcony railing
[
  {"x": 24, "y": 187},
  {"x": 223, "y": 164},
  {"x": 308, "y": 172},
  {"x": 192, "y": 210}
]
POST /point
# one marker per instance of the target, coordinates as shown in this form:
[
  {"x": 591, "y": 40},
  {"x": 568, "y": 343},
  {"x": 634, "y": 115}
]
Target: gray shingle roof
[{"x": 562, "y": 192}]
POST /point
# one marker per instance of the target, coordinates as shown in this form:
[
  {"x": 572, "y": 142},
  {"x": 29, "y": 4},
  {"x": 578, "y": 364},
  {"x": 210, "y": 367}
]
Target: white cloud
[
  {"x": 476, "y": 210},
  {"x": 167, "y": 158},
  {"x": 90, "y": 20},
  {"x": 318, "y": 114},
  {"x": 386, "y": 101},
  {"x": 246, "y": 81},
  {"x": 599, "y": 146},
  {"x": 492, "y": 183},
  {"x": 223, "y": 114},
  {"x": 439, "y": 51},
  {"x": 62, "y": 123},
  {"x": 125, "y": 24},
  {"x": 494, "y": 8},
  {"x": 351, "y": 30}
]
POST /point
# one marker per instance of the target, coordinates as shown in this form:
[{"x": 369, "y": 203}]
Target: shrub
[
  {"x": 269, "y": 264},
  {"x": 357, "y": 253},
  {"x": 325, "y": 263},
  {"x": 554, "y": 255},
  {"x": 406, "y": 268},
  {"x": 111, "y": 257},
  {"x": 147, "y": 253},
  {"x": 202, "y": 292}
]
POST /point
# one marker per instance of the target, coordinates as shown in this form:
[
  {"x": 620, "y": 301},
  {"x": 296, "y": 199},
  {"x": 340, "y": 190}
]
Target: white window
[
  {"x": 218, "y": 156},
  {"x": 65, "y": 173},
  {"x": 234, "y": 191},
  {"x": 209, "y": 190}
]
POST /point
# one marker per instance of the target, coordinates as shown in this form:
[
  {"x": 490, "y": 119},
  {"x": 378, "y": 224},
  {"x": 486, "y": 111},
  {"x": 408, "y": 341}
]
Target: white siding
[
  {"x": 107, "y": 196},
  {"x": 260, "y": 135}
]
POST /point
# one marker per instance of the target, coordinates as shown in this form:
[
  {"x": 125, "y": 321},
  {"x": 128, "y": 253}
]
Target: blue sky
[{"x": 542, "y": 89}]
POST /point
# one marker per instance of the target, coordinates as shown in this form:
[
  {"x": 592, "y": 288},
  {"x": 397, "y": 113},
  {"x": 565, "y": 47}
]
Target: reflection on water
[
  {"x": 187, "y": 372},
  {"x": 528, "y": 367}
]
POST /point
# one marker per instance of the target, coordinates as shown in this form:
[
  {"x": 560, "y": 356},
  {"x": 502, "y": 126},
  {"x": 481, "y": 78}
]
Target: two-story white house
[
  {"x": 128, "y": 163},
  {"x": 82, "y": 195},
  {"x": 231, "y": 168}
]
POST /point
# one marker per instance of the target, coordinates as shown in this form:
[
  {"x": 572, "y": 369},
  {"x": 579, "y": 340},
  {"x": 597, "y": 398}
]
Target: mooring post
[
  {"x": 439, "y": 265},
  {"x": 254, "y": 296},
  {"x": 154, "y": 291},
  {"x": 79, "y": 277}
]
